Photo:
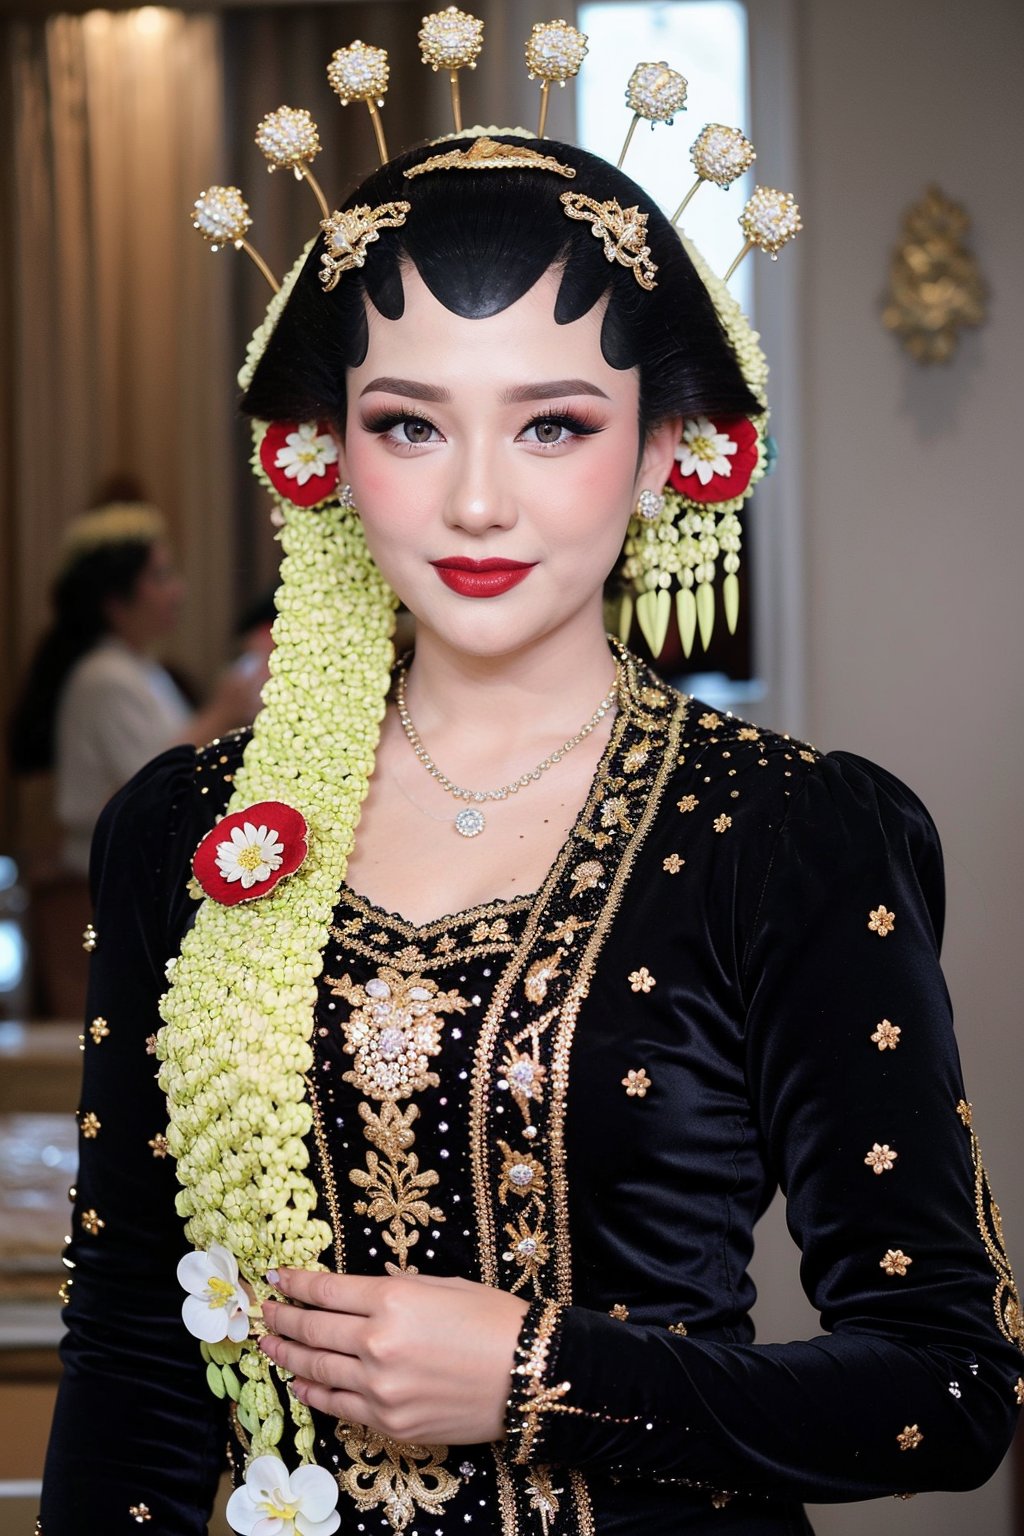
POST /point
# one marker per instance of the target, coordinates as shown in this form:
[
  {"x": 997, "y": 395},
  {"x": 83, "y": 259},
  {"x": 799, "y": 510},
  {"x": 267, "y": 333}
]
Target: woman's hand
[{"x": 414, "y": 1357}]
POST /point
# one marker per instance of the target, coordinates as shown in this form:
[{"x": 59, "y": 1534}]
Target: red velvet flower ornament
[
  {"x": 715, "y": 459},
  {"x": 248, "y": 852},
  {"x": 300, "y": 459}
]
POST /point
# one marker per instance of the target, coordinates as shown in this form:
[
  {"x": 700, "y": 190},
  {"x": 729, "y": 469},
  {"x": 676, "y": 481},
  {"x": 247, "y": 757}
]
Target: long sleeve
[
  {"x": 856, "y": 1097},
  {"x": 135, "y": 1426}
]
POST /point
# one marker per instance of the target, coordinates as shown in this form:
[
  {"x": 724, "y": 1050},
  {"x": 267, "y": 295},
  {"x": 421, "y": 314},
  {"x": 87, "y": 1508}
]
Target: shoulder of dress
[{"x": 221, "y": 758}]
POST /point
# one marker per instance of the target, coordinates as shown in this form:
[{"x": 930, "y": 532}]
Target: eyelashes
[{"x": 384, "y": 423}]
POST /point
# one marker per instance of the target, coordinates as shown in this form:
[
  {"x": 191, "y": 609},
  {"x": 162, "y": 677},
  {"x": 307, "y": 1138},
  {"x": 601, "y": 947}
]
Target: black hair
[
  {"x": 480, "y": 240},
  {"x": 80, "y": 596}
]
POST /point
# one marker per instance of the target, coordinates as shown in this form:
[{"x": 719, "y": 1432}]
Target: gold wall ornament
[{"x": 935, "y": 284}]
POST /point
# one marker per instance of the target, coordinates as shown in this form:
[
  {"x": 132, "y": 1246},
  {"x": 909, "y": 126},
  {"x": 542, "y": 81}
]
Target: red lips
[{"x": 481, "y": 578}]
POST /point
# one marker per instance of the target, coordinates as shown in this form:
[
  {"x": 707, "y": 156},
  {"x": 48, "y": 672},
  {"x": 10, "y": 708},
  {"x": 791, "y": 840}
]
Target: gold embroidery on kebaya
[
  {"x": 92, "y": 1222},
  {"x": 641, "y": 980},
  {"x": 680, "y": 1329},
  {"x": 637, "y": 756},
  {"x": 673, "y": 864},
  {"x": 748, "y": 733},
  {"x": 1018, "y": 1391},
  {"x": 909, "y": 1438},
  {"x": 99, "y": 1029},
  {"x": 521, "y": 1174},
  {"x": 543, "y": 1496},
  {"x": 327, "y": 1174},
  {"x": 522, "y": 1076},
  {"x": 159, "y": 1145},
  {"x": 722, "y": 823},
  {"x": 565, "y": 932},
  {"x": 540, "y": 975},
  {"x": 396, "y": 1186},
  {"x": 710, "y": 722},
  {"x": 527, "y": 1246},
  {"x": 886, "y": 1035},
  {"x": 966, "y": 1112},
  {"x": 403, "y": 1478},
  {"x": 687, "y": 803},
  {"x": 393, "y": 1031},
  {"x": 881, "y": 1159},
  {"x": 90, "y": 1125},
  {"x": 587, "y": 876},
  {"x": 1006, "y": 1299},
  {"x": 895, "y": 1261},
  {"x": 881, "y": 921},
  {"x": 620, "y": 1312}
]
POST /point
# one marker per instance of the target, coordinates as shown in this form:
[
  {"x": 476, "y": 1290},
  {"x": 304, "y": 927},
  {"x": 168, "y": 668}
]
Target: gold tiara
[
  {"x": 486, "y": 155},
  {"x": 451, "y": 40}
]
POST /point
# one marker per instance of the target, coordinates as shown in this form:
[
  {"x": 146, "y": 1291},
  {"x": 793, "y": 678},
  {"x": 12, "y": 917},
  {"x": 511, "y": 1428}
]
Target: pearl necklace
[{"x": 471, "y": 821}]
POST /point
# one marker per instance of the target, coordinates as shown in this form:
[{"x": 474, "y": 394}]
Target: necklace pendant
[{"x": 470, "y": 822}]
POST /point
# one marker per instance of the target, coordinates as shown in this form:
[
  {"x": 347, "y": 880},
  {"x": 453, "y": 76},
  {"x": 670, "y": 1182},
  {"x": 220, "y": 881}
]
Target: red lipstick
[{"x": 481, "y": 578}]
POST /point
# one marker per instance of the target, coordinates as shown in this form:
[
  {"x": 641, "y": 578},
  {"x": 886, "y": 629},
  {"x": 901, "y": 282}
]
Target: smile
[{"x": 481, "y": 578}]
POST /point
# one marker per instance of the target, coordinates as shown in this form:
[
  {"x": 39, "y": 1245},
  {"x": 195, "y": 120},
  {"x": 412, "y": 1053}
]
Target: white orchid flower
[
  {"x": 276, "y": 1502},
  {"x": 216, "y": 1307}
]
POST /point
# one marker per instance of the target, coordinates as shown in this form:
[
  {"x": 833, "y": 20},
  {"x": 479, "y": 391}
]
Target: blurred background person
[{"x": 97, "y": 703}]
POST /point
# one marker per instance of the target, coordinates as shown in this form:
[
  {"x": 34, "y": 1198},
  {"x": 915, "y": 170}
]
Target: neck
[{"x": 541, "y": 693}]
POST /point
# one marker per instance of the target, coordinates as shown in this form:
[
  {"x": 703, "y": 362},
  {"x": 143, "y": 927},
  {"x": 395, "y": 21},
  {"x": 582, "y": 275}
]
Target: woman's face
[
  {"x": 494, "y": 464},
  {"x": 154, "y": 607}
]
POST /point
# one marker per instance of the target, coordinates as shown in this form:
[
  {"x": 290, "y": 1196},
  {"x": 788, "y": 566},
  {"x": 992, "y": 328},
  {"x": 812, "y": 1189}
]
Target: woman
[
  {"x": 484, "y": 1122},
  {"x": 96, "y": 704}
]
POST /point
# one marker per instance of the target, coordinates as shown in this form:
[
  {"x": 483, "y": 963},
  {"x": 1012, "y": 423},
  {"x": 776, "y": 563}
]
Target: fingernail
[{"x": 273, "y": 1278}]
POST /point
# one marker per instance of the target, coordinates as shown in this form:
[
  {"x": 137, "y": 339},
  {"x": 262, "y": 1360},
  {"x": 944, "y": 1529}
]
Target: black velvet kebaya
[{"x": 728, "y": 982}]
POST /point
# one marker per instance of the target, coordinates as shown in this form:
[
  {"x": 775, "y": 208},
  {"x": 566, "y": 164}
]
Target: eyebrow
[{"x": 519, "y": 393}]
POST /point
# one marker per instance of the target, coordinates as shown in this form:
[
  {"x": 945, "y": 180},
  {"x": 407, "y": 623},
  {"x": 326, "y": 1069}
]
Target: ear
[{"x": 658, "y": 453}]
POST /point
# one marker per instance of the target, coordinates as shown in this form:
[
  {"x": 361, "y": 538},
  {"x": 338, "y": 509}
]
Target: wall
[{"x": 914, "y": 535}]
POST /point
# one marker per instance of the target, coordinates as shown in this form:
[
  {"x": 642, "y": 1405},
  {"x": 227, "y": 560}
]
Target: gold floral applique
[
  {"x": 687, "y": 803},
  {"x": 722, "y": 823},
  {"x": 680, "y": 1329},
  {"x": 641, "y": 980},
  {"x": 710, "y": 721},
  {"x": 99, "y": 1029},
  {"x": 673, "y": 864},
  {"x": 543, "y": 1496},
  {"x": 966, "y": 1112},
  {"x": 92, "y": 1222},
  {"x": 159, "y": 1145},
  {"x": 748, "y": 733},
  {"x": 620, "y": 1312},
  {"x": 881, "y": 921},
  {"x": 402, "y": 1478},
  {"x": 90, "y": 1125},
  {"x": 396, "y": 1185},
  {"x": 522, "y": 1076},
  {"x": 887, "y": 1036},
  {"x": 540, "y": 976},
  {"x": 585, "y": 877},
  {"x": 637, "y": 756},
  {"x": 1018, "y": 1391},
  {"x": 895, "y": 1261},
  {"x": 909, "y": 1438}
]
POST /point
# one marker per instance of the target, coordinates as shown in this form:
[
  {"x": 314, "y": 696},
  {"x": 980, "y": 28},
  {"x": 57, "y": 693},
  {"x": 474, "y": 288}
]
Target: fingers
[
  {"x": 332, "y": 1293},
  {"x": 350, "y": 1406},
  {"x": 337, "y": 1332},
  {"x": 318, "y": 1367}
]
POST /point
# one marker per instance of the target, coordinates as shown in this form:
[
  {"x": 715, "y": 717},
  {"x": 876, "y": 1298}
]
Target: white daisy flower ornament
[
  {"x": 306, "y": 453},
  {"x": 704, "y": 451}
]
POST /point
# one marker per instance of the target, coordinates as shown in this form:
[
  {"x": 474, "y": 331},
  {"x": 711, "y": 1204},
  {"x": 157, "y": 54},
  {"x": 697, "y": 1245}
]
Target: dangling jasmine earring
[{"x": 345, "y": 498}]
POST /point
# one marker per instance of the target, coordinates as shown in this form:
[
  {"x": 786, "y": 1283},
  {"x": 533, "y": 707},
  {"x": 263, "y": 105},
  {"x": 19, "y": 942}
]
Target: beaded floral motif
[
  {"x": 641, "y": 980},
  {"x": 393, "y": 1031},
  {"x": 895, "y": 1262},
  {"x": 90, "y": 1125},
  {"x": 909, "y": 1438},
  {"x": 636, "y": 1083},
  {"x": 99, "y": 1029},
  {"x": 881, "y": 921},
  {"x": 881, "y": 1159},
  {"x": 886, "y": 1036},
  {"x": 673, "y": 864}
]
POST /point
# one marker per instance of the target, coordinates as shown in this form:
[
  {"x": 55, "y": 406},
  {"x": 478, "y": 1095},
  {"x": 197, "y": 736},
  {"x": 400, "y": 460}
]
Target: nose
[{"x": 480, "y": 495}]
